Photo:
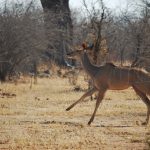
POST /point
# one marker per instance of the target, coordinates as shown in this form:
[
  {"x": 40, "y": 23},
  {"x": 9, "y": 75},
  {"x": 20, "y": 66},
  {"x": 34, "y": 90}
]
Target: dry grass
[{"x": 36, "y": 119}]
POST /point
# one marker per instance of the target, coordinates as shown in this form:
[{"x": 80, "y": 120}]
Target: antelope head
[{"x": 78, "y": 52}]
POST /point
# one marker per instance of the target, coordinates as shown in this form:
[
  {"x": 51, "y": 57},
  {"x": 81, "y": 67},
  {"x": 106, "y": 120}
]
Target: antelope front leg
[
  {"x": 99, "y": 100},
  {"x": 89, "y": 93}
]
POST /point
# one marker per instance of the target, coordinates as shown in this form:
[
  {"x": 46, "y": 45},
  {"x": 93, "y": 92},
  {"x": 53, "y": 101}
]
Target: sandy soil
[{"x": 35, "y": 119}]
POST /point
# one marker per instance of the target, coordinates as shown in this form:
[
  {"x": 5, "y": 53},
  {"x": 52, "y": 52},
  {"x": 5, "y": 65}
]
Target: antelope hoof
[
  {"x": 68, "y": 109},
  {"x": 89, "y": 123},
  {"x": 144, "y": 123}
]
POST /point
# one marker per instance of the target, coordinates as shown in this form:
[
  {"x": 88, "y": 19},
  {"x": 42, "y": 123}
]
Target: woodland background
[{"x": 30, "y": 35}]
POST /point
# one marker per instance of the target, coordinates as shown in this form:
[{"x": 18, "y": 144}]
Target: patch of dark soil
[
  {"x": 63, "y": 123},
  {"x": 6, "y": 94}
]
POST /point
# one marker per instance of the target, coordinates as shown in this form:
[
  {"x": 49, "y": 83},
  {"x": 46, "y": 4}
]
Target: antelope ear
[{"x": 84, "y": 45}]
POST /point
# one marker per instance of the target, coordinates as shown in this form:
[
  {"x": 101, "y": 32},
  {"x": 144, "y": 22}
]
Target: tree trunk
[{"x": 57, "y": 17}]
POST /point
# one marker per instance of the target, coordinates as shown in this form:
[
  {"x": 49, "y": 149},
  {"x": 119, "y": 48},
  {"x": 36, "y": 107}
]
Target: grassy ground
[{"x": 36, "y": 119}]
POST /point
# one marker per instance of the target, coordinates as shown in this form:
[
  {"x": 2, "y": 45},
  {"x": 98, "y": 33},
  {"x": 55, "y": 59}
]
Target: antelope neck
[{"x": 90, "y": 69}]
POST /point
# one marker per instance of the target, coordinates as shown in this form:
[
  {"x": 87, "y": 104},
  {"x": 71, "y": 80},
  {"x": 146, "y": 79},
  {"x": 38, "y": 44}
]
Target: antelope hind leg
[
  {"x": 147, "y": 118},
  {"x": 89, "y": 93},
  {"x": 146, "y": 101}
]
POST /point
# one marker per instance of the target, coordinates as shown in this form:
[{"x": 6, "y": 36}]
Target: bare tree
[
  {"x": 98, "y": 18},
  {"x": 57, "y": 17},
  {"x": 21, "y": 37}
]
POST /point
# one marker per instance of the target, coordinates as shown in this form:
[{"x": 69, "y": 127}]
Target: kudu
[{"x": 111, "y": 77}]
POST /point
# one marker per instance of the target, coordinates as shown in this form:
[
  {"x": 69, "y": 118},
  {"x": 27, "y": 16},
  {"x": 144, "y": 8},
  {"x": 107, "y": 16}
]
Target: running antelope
[{"x": 111, "y": 77}]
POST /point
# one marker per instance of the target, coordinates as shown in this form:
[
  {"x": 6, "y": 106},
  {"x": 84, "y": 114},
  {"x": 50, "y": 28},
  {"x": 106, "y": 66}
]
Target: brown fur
[{"x": 111, "y": 77}]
